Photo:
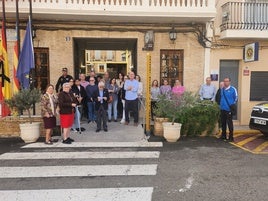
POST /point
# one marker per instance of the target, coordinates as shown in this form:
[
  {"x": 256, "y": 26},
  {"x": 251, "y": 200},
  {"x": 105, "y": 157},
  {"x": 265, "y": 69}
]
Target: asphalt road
[{"x": 192, "y": 169}]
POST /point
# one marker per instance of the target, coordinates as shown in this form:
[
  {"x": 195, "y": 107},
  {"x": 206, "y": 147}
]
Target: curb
[{"x": 246, "y": 132}]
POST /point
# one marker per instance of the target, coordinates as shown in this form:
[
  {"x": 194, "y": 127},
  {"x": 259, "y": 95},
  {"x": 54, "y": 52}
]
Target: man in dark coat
[
  {"x": 63, "y": 79},
  {"x": 101, "y": 98}
]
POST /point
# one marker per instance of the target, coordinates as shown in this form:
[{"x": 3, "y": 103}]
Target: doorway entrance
[
  {"x": 230, "y": 68},
  {"x": 113, "y": 55}
]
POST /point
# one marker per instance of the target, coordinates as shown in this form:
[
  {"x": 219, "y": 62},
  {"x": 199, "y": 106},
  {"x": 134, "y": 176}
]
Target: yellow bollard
[{"x": 148, "y": 96}]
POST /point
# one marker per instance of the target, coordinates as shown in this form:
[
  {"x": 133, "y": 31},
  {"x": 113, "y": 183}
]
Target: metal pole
[
  {"x": 148, "y": 96},
  {"x": 4, "y": 19},
  {"x": 31, "y": 10},
  {"x": 18, "y": 26},
  {"x": 31, "y": 19}
]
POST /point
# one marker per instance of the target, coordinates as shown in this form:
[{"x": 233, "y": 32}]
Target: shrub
[
  {"x": 195, "y": 115},
  {"x": 24, "y": 100}
]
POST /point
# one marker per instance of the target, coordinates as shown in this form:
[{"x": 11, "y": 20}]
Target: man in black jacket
[
  {"x": 101, "y": 98},
  {"x": 63, "y": 79}
]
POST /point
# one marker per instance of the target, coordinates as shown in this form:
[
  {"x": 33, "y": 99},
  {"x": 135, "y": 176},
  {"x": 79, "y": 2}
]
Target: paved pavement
[{"x": 128, "y": 168}]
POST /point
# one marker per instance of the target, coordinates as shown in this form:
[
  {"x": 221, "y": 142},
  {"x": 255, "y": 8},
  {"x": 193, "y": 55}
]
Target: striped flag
[
  {"x": 4, "y": 71},
  {"x": 16, "y": 83}
]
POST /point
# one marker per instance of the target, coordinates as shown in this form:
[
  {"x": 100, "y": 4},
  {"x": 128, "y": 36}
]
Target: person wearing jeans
[
  {"x": 90, "y": 89},
  {"x": 122, "y": 96},
  {"x": 113, "y": 91},
  {"x": 228, "y": 97},
  {"x": 131, "y": 86}
]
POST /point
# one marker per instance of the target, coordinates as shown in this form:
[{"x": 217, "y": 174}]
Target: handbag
[
  {"x": 232, "y": 107},
  {"x": 110, "y": 98}
]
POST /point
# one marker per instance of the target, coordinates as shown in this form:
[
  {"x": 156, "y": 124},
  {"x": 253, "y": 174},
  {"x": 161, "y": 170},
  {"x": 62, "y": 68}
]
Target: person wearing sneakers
[
  {"x": 131, "y": 86},
  {"x": 67, "y": 104},
  {"x": 227, "y": 103}
]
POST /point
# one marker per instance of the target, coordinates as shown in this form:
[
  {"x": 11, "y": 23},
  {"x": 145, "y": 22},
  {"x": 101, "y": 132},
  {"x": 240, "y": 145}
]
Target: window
[
  {"x": 171, "y": 66},
  {"x": 40, "y": 74},
  {"x": 258, "y": 86}
]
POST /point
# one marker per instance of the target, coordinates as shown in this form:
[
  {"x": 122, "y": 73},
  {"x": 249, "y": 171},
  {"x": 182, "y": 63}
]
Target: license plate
[{"x": 260, "y": 121}]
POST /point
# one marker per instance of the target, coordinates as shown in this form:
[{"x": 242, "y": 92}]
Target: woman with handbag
[
  {"x": 49, "y": 104},
  {"x": 112, "y": 106}
]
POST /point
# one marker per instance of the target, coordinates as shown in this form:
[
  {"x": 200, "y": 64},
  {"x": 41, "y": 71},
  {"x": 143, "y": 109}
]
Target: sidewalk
[{"x": 116, "y": 133}]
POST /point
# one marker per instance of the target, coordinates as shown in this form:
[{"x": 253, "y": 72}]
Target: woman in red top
[{"x": 67, "y": 104}]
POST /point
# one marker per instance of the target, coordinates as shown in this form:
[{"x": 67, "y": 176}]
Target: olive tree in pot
[
  {"x": 24, "y": 101},
  {"x": 160, "y": 115},
  {"x": 176, "y": 107}
]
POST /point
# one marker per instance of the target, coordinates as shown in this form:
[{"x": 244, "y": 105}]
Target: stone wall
[{"x": 9, "y": 126}]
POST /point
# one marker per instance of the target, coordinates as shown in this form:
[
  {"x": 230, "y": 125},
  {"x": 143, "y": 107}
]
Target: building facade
[{"x": 187, "y": 39}]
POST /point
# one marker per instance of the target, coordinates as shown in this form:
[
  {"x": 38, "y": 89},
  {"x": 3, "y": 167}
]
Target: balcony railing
[
  {"x": 201, "y": 10},
  {"x": 151, "y": 3},
  {"x": 244, "y": 16}
]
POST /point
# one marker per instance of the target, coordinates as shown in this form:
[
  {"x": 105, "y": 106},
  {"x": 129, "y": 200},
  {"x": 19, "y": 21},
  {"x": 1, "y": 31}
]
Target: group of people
[
  {"x": 164, "y": 89},
  {"x": 101, "y": 99},
  {"x": 98, "y": 98},
  {"x": 225, "y": 96}
]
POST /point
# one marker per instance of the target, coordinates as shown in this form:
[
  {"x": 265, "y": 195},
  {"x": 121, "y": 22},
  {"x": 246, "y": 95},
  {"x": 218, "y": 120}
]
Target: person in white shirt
[{"x": 207, "y": 90}]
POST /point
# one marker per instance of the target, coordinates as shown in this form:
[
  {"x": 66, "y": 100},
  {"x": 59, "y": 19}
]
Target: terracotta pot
[
  {"x": 158, "y": 126},
  {"x": 172, "y": 132}
]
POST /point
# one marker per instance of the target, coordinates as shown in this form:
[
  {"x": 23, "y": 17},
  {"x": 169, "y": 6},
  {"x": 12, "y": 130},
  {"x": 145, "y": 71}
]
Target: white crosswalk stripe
[
  {"x": 97, "y": 144},
  {"x": 78, "y": 155},
  {"x": 145, "y": 164},
  {"x": 108, "y": 194},
  {"x": 77, "y": 171}
]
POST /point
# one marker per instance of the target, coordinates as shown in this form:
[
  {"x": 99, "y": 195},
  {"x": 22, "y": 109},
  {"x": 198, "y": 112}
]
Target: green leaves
[
  {"x": 24, "y": 100},
  {"x": 195, "y": 115}
]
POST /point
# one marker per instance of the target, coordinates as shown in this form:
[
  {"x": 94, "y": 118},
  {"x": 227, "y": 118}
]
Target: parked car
[{"x": 259, "y": 118}]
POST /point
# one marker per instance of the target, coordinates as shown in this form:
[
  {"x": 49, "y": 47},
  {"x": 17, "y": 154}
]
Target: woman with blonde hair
[{"x": 49, "y": 104}]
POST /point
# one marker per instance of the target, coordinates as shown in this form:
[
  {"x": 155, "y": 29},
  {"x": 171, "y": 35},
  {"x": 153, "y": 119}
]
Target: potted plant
[
  {"x": 160, "y": 115},
  {"x": 177, "y": 107},
  {"x": 24, "y": 101}
]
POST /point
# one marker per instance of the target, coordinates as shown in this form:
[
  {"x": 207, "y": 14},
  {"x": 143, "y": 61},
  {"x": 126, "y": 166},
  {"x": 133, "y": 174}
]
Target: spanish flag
[
  {"x": 4, "y": 72},
  {"x": 16, "y": 83}
]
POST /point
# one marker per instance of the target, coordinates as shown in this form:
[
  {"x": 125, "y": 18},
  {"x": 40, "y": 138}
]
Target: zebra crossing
[{"x": 80, "y": 161}]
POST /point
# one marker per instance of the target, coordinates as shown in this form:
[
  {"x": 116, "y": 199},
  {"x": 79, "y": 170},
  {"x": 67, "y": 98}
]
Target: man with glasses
[
  {"x": 90, "y": 90},
  {"x": 101, "y": 98},
  {"x": 207, "y": 91}
]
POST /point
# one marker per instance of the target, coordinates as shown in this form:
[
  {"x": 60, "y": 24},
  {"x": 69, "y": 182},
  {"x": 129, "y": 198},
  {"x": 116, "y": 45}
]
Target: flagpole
[
  {"x": 4, "y": 19},
  {"x": 18, "y": 26},
  {"x": 31, "y": 17}
]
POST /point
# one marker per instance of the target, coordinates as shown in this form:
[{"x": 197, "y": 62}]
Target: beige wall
[
  {"x": 61, "y": 52},
  {"x": 232, "y": 53}
]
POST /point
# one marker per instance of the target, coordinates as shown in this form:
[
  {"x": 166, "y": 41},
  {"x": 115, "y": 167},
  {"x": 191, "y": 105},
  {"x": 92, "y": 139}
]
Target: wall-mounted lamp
[
  {"x": 173, "y": 34},
  {"x": 33, "y": 33}
]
